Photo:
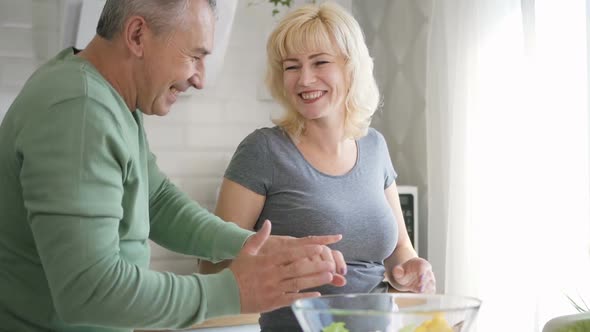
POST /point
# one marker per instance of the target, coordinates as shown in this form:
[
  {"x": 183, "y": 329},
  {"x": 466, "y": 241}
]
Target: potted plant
[
  {"x": 278, "y": 4},
  {"x": 579, "y": 322}
]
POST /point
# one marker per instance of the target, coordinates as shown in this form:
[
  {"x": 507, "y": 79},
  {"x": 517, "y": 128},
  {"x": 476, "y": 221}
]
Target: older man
[{"x": 80, "y": 192}]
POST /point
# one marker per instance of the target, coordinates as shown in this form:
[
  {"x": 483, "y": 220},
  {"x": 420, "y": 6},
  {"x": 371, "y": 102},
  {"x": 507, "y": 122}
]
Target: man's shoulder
[
  {"x": 67, "y": 77},
  {"x": 67, "y": 92}
]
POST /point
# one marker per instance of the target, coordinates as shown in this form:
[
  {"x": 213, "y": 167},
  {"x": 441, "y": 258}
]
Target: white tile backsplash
[
  {"x": 16, "y": 12},
  {"x": 17, "y": 41},
  {"x": 202, "y": 189},
  {"x": 196, "y": 163},
  {"x": 222, "y": 137},
  {"x": 15, "y": 71},
  {"x": 168, "y": 136}
]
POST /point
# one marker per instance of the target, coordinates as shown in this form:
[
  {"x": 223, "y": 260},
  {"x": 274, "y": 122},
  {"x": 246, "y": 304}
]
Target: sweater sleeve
[
  {"x": 182, "y": 225},
  {"x": 73, "y": 158}
]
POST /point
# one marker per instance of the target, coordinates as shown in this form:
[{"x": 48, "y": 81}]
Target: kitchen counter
[
  {"x": 250, "y": 319},
  {"x": 223, "y": 323}
]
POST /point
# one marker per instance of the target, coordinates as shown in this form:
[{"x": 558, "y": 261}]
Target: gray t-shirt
[{"x": 302, "y": 201}]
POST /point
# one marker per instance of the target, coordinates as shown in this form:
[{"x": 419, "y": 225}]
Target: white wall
[{"x": 29, "y": 34}]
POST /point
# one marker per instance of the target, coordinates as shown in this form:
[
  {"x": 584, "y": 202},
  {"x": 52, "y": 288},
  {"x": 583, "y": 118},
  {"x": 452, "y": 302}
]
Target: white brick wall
[{"x": 29, "y": 34}]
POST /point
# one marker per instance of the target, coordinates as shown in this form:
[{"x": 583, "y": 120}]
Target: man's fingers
[
  {"x": 306, "y": 266},
  {"x": 326, "y": 256},
  {"x": 272, "y": 271},
  {"x": 255, "y": 242},
  {"x": 294, "y": 285},
  {"x": 291, "y": 255},
  {"x": 319, "y": 239}
]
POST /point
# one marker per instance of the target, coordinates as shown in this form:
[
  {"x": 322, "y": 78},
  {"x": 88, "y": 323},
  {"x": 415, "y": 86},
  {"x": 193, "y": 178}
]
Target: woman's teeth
[{"x": 311, "y": 95}]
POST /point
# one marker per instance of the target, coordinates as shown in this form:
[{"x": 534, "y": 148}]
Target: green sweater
[{"x": 80, "y": 194}]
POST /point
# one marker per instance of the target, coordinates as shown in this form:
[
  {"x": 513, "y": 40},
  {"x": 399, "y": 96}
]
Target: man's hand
[
  {"x": 276, "y": 243},
  {"x": 270, "y": 277},
  {"x": 415, "y": 275}
]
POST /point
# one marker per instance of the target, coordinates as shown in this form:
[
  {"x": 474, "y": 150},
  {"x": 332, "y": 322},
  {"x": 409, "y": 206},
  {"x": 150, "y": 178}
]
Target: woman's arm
[
  {"x": 242, "y": 206},
  {"x": 412, "y": 273},
  {"x": 404, "y": 249},
  {"x": 237, "y": 204}
]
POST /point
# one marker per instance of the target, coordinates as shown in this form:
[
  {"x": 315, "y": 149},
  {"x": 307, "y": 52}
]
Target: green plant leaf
[
  {"x": 581, "y": 326},
  {"x": 579, "y": 307},
  {"x": 336, "y": 327}
]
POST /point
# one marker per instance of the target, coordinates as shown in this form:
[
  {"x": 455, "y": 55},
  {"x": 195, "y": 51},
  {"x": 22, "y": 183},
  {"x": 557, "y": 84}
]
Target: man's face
[{"x": 174, "y": 62}]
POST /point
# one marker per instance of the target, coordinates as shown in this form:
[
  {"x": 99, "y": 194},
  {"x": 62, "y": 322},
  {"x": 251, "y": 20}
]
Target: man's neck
[{"x": 114, "y": 64}]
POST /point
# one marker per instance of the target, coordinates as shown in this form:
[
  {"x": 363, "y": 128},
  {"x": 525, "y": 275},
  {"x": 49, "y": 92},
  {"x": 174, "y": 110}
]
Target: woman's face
[{"x": 316, "y": 83}]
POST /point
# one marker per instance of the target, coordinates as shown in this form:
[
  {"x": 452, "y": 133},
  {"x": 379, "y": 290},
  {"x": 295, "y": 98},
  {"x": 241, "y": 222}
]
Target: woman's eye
[
  {"x": 290, "y": 68},
  {"x": 319, "y": 63}
]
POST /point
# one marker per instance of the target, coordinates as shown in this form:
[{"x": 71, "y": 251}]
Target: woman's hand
[{"x": 415, "y": 275}]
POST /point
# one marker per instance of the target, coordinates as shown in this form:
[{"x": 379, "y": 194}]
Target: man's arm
[
  {"x": 182, "y": 225},
  {"x": 239, "y": 204},
  {"x": 73, "y": 158},
  {"x": 92, "y": 285}
]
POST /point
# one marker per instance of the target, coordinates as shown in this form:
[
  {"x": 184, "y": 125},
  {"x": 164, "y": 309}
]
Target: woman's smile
[{"x": 309, "y": 97}]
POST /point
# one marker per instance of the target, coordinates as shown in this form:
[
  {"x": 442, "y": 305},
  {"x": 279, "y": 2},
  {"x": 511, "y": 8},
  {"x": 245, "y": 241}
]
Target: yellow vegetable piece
[{"x": 438, "y": 323}]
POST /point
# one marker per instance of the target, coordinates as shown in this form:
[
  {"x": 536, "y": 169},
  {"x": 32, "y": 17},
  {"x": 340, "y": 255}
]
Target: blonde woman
[{"x": 322, "y": 169}]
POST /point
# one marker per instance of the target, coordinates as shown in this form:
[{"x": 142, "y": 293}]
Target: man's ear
[{"x": 135, "y": 33}]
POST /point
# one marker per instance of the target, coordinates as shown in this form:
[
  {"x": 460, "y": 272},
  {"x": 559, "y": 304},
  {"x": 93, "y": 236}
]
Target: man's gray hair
[{"x": 162, "y": 15}]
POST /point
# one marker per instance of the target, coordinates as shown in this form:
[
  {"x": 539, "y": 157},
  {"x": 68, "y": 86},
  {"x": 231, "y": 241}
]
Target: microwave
[{"x": 408, "y": 198}]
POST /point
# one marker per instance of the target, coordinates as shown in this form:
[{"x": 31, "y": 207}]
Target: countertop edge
[
  {"x": 245, "y": 319},
  {"x": 227, "y": 321}
]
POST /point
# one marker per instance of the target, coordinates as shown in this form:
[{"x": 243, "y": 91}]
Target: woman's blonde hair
[{"x": 313, "y": 28}]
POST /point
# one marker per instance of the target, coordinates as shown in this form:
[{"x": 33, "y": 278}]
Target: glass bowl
[{"x": 386, "y": 312}]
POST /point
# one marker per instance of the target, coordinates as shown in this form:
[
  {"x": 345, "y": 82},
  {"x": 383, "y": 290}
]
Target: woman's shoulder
[
  {"x": 373, "y": 135},
  {"x": 268, "y": 134},
  {"x": 271, "y": 131}
]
